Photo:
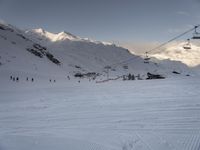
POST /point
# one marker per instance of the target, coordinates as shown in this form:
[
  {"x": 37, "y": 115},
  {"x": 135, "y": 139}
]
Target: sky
[{"x": 124, "y": 22}]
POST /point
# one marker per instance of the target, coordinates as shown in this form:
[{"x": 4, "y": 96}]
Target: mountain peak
[
  {"x": 39, "y": 30},
  {"x": 53, "y": 37},
  {"x": 62, "y": 36},
  {"x": 66, "y": 35}
]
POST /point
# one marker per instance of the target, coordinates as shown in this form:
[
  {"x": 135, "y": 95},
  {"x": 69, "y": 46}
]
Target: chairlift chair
[
  {"x": 146, "y": 59},
  {"x": 196, "y": 35},
  {"x": 187, "y": 45}
]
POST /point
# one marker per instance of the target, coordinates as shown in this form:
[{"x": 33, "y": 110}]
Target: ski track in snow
[{"x": 142, "y": 115}]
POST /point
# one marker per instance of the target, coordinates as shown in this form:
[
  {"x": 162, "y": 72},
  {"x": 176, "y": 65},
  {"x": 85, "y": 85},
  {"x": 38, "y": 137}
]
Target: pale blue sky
[{"x": 107, "y": 20}]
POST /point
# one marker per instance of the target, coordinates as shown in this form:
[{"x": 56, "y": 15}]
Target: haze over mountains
[{"x": 175, "y": 51}]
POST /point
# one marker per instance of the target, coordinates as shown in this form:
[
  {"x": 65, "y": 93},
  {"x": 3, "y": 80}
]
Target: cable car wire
[
  {"x": 159, "y": 46},
  {"x": 165, "y": 43}
]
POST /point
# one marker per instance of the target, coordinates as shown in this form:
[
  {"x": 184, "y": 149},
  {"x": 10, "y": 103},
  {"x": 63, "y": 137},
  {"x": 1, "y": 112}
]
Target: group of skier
[{"x": 12, "y": 78}]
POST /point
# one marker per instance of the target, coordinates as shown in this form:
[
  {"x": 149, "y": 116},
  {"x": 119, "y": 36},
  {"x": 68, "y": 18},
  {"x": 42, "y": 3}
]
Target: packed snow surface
[{"x": 117, "y": 115}]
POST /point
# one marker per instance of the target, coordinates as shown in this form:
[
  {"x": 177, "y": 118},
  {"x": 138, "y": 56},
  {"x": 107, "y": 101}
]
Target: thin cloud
[
  {"x": 2, "y": 21},
  {"x": 179, "y": 30},
  {"x": 183, "y": 13},
  {"x": 139, "y": 47}
]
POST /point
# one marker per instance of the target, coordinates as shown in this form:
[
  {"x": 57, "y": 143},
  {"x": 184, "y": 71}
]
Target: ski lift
[
  {"x": 146, "y": 59},
  {"x": 196, "y": 35},
  {"x": 187, "y": 45}
]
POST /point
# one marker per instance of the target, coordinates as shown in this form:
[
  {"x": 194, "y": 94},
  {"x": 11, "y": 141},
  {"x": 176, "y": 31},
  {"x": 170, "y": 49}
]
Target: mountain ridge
[{"x": 25, "y": 51}]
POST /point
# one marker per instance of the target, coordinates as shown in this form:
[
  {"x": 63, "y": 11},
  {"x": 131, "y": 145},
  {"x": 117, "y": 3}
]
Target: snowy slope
[
  {"x": 18, "y": 53},
  {"x": 90, "y": 55},
  {"x": 94, "y": 56},
  {"x": 144, "y": 115},
  {"x": 40, "y": 53}
]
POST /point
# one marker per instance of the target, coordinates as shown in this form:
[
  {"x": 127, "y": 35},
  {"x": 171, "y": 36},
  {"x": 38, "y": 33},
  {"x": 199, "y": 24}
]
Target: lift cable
[
  {"x": 124, "y": 61},
  {"x": 165, "y": 43},
  {"x": 161, "y": 45}
]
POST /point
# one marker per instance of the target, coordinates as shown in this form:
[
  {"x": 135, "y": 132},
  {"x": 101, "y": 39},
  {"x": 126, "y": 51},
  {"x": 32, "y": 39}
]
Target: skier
[
  {"x": 133, "y": 77},
  {"x": 68, "y": 77}
]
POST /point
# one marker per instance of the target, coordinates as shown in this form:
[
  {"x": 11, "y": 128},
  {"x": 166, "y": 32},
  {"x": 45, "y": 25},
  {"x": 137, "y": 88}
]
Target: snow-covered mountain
[
  {"x": 52, "y": 37},
  {"x": 39, "y": 52},
  {"x": 43, "y": 114}
]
